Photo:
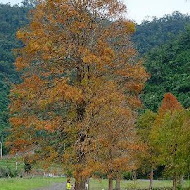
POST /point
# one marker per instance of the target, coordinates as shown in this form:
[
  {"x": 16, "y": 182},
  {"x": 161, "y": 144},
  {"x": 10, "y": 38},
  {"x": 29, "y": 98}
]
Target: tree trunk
[
  {"x": 117, "y": 186},
  {"x": 80, "y": 185},
  {"x": 134, "y": 176},
  {"x": 180, "y": 183},
  {"x": 174, "y": 182},
  {"x": 151, "y": 178},
  {"x": 110, "y": 184}
]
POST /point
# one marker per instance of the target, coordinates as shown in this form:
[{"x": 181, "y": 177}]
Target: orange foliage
[
  {"x": 169, "y": 103},
  {"x": 81, "y": 81}
]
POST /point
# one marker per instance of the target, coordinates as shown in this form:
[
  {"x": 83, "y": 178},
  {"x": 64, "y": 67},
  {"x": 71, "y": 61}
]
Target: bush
[
  {"x": 7, "y": 172},
  {"x": 126, "y": 175}
]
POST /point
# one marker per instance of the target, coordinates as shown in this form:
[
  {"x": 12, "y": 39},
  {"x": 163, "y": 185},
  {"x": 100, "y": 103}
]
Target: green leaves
[
  {"x": 169, "y": 68},
  {"x": 151, "y": 34},
  {"x": 171, "y": 138},
  {"x": 11, "y": 19}
]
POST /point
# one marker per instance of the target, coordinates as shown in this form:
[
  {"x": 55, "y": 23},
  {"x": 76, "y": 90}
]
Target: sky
[{"x": 139, "y": 10}]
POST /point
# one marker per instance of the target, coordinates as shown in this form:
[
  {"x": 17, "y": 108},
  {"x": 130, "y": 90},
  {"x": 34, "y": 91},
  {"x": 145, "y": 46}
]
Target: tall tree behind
[{"x": 114, "y": 144}]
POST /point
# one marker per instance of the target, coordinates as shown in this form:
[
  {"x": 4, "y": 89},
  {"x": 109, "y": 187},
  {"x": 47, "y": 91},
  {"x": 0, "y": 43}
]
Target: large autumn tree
[{"x": 73, "y": 50}]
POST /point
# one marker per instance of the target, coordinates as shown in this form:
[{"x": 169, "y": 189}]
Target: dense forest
[
  {"x": 169, "y": 66},
  {"x": 12, "y": 18},
  {"x": 163, "y": 43},
  {"x": 150, "y": 34}
]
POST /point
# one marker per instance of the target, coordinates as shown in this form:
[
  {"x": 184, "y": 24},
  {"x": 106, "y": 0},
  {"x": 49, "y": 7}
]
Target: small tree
[
  {"x": 149, "y": 158},
  {"x": 168, "y": 134}
]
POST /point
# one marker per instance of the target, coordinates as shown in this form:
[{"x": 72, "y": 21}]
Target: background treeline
[
  {"x": 12, "y": 18},
  {"x": 164, "y": 43},
  {"x": 150, "y": 34},
  {"x": 169, "y": 66}
]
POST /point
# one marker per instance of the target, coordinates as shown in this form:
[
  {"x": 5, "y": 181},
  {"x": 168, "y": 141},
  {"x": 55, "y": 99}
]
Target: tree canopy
[
  {"x": 81, "y": 78},
  {"x": 15, "y": 17}
]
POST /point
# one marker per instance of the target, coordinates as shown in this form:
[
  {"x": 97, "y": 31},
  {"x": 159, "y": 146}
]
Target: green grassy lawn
[
  {"x": 33, "y": 183},
  {"x": 128, "y": 184},
  {"x": 27, "y": 184},
  {"x": 139, "y": 184}
]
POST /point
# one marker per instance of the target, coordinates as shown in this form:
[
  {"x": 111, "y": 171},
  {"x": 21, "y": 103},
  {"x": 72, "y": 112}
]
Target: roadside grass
[
  {"x": 138, "y": 184},
  {"x": 27, "y": 183},
  {"x": 129, "y": 184},
  {"x": 95, "y": 184}
]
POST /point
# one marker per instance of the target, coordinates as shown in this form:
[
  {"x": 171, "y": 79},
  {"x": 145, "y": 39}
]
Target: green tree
[
  {"x": 170, "y": 135},
  {"x": 149, "y": 158}
]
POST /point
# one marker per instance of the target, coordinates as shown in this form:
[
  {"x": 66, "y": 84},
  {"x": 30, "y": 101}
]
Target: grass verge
[
  {"x": 34, "y": 183},
  {"x": 27, "y": 184}
]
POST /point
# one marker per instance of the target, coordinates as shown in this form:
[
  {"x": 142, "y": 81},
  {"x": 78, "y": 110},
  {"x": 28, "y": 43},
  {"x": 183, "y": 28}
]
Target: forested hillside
[
  {"x": 12, "y": 18},
  {"x": 150, "y": 34},
  {"x": 167, "y": 64}
]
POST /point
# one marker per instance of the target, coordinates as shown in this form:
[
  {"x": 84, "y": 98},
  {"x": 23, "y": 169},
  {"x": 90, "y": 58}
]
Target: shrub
[{"x": 7, "y": 172}]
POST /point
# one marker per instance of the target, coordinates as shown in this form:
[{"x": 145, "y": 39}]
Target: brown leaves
[
  {"x": 111, "y": 127},
  {"x": 20, "y": 64},
  {"x": 59, "y": 92},
  {"x": 169, "y": 103},
  {"x": 17, "y": 121},
  {"x": 81, "y": 85}
]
